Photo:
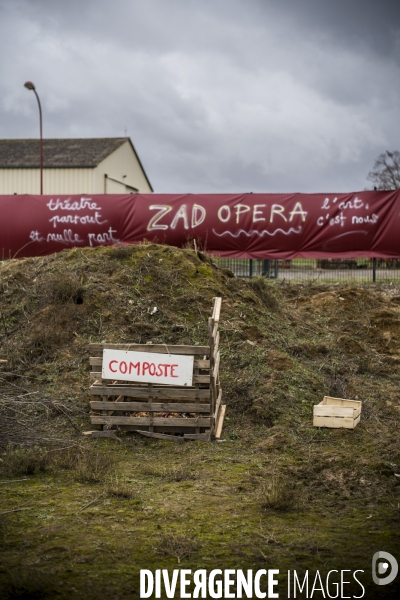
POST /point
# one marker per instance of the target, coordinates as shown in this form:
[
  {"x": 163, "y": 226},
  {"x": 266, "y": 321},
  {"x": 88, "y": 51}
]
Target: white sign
[{"x": 147, "y": 367}]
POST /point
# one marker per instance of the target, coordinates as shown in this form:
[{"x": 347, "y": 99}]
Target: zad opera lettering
[{"x": 259, "y": 226}]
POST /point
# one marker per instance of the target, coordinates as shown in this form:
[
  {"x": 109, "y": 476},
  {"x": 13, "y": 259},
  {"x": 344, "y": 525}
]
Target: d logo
[{"x": 383, "y": 568}]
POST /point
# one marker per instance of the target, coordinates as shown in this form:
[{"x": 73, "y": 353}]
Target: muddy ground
[{"x": 79, "y": 518}]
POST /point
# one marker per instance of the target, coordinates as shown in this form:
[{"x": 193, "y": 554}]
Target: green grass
[{"x": 89, "y": 542}]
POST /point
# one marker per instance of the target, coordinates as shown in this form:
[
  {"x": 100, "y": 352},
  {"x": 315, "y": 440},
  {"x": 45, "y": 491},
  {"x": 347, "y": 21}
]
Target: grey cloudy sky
[{"x": 216, "y": 95}]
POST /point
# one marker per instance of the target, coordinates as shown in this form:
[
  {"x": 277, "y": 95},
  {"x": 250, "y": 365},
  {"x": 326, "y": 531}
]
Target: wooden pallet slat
[
  {"x": 157, "y": 421},
  {"x": 217, "y": 405},
  {"x": 157, "y": 348},
  {"x": 154, "y": 406},
  {"x": 95, "y": 375},
  {"x": 220, "y": 422},
  {"x": 161, "y": 436},
  {"x": 139, "y": 392},
  {"x": 216, "y": 309}
]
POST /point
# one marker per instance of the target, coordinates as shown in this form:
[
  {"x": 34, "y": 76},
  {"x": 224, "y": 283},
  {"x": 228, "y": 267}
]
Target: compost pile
[{"x": 283, "y": 346}]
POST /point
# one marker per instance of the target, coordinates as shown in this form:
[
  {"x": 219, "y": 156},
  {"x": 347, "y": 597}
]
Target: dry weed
[
  {"x": 183, "y": 472},
  {"x": 63, "y": 290},
  {"x": 180, "y": 473},
  {"x": 178, "y": 545},
  {"x": 92, "y": 466},
  {"x": 118, "y": 488},
  {"x": 18, "y": 460},
  {"x": 263, "y": 290},
  {"x": 67, "y": 458},
  {"x": 278, "y": 495}
]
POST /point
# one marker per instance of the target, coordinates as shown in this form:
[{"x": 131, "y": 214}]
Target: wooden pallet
[{"x": 162, "y": 411}]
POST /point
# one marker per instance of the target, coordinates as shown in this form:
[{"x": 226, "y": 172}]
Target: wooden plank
[
  {"x": 107, "y": 433},
  {"x": 210, "y": 335},
  {"x": 336, "y": 411},
  {"x": 201, "y": 363},
  {"x": 345, "y": 422},
  {"x": 150, "y": 401},
  {"x": 215, "y": 332},
  {"x": 95, "y": 375},
  {"x": 166, "y": 430},
  {"x": 215, "y": 347},
  {"x": 333, "y": 411},
  {"x": 159, "y": 348},
  {"x": 118, "y": 399},
  {"x": 161, "y": 436},
  {"x": 141, "y": 392},
  {"x": 216, "y": 309},
  {"x": 154, "y": 406},
  {"x": 146, "y": 421},
  {"x": 216, "y": 366},
  {"x": 217, "y": 404},
  {"x": 196, "y": 372},
  {"x": 215, "y": 377},
  {"x": 220, "y": 423},
  {"x": 205, "y": 437},
  {"x": 341, "y": 402},
  {"x": 97, "y": 361}
]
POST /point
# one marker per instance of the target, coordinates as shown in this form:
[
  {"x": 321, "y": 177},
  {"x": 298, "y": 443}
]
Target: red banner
[{"x": 256, "y": 226}]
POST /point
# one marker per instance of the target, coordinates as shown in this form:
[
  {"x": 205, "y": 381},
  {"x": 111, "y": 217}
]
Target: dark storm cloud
[
  {"x": 368, "y": 25},
  {"x": 217, "y": 95}
]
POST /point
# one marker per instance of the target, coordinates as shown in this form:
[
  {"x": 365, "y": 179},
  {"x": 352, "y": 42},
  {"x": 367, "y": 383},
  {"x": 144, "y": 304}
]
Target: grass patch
[
  {"x": 27, "y": 584},
  {"x": 180, "y": 472},
  {"x": 118, "y": 488},
  {"x": 19, "y": 460},
  {"x": 177, "y": 545},
  {"x": 265, "y": 291},
  {"x": 278, "y": 495},
  {"x": 62, "y": 291},
  {"x": 92, "y": 466}
]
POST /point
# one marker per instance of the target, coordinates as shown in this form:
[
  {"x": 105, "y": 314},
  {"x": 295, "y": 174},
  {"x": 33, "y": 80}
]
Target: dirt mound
[{"x": 283, "y": 346}]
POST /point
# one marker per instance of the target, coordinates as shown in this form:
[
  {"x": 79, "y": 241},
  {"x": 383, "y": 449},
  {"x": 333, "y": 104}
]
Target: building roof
[{"x": 58, "y": 154}]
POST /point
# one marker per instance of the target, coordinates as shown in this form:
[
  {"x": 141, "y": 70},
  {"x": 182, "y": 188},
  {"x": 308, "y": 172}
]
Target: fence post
[
  {"x": 250, "y": 267},
  {"x": 276, "y": 269},
  {"x": 374, "y": 270},
  {"x": 265, "y": 271}
]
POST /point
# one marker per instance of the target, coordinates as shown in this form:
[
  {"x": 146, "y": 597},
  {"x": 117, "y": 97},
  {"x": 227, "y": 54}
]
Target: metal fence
[{"x": 323, "y": 269}]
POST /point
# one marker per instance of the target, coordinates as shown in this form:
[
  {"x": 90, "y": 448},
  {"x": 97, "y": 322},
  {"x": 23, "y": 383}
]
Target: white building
[{"x": 72, "y": 166}]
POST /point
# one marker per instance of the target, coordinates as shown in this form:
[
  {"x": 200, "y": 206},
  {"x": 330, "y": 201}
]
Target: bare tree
[{"x": 385, "y": 174}]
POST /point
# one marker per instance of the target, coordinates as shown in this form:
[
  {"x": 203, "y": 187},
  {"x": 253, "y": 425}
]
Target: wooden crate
[
  {"x": 337, "y": 412},
  {"x": 162, "y": 411}
]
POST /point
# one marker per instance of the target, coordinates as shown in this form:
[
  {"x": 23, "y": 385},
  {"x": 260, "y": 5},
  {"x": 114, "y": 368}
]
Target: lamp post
[{"x": 30, "y": 86}]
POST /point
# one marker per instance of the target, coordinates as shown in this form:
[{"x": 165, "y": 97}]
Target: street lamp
[{"x": 29, "y": 85}]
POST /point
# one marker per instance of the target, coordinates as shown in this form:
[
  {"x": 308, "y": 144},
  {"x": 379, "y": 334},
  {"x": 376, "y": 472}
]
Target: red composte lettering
[
  {"x": 110, "y": 367},
  {"x": 152, "y": 369},
  {"x": 123, "y": 367},
  {"x": 136, "y": 366}
]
